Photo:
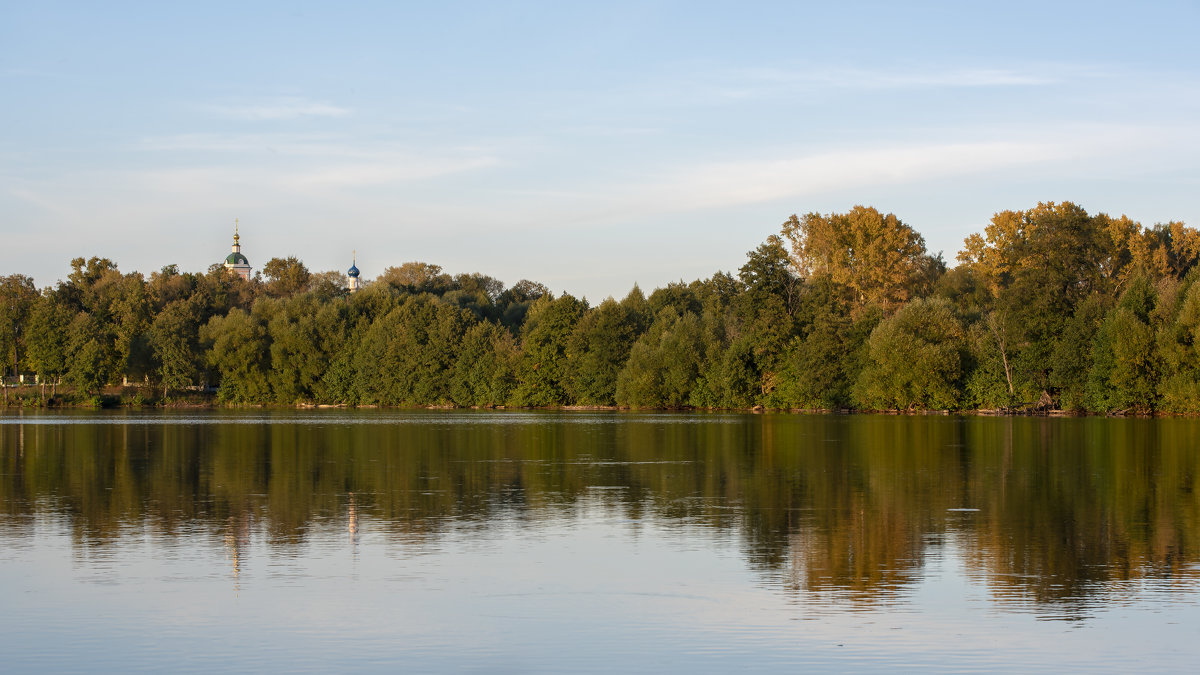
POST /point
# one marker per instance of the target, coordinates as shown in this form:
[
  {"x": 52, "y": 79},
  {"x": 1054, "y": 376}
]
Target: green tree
[
  {"x": 1125, "y": 357},
  {"x": 915, "y": 359},
  {"x": 678, "y": 296},
  {"x": 49, "y": 321},
  {"x": 239, "y": 350},
  {"x": 337, "y": 328},
  {"x": 821, "y": 365},
  {"x": 515, "y": 301},
  {"x": 1179, "y": 350},
  {"x": 131, "y": 312},
  {"x": 286, "y": 276},
  {"x": 664, "y": 363},
  {"x": 17, "y": 298},
  {"x": 545, "y": 367},
  {"x": 991, "y": 382},
  {"x": 768, "y": 273},
  {"x": 1071, "y": 362},
  {"x": 91, "y": 360},
  {"x": 175, "y": 341},
  {"x": 485, "y": 373},
  {"x": 598, "y": 348},
  {"x": 298, "y": 361},
  {"x": 408, "y": 355},
  {"x": 1039, "y": 265}
]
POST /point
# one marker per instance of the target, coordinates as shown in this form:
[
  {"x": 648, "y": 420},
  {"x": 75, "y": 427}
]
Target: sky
[{"x": 587, "y": 146}]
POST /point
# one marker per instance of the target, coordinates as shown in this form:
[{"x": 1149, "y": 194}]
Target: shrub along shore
[{"x": 1048, "y": 309}]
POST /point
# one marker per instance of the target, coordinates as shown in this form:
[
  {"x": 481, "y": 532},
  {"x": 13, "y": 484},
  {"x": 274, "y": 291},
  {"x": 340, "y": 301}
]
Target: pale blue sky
[{"x": 584, "y": 146}]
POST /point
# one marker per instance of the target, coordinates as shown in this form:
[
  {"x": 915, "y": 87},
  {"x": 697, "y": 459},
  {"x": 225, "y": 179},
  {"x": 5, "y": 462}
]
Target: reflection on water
[{"x": 834, "y": 516}]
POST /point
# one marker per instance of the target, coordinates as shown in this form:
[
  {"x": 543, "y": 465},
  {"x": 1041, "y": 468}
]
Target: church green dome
[{"x": 236, "y": 259}]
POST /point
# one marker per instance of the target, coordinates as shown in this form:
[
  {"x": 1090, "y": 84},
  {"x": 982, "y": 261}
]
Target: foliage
[
  {"x": 174, "y": 336},
  {"x": 915, "y": 359},
  {"x": 238, "y": 349},
  {"x": 663, "y": 364},
  {"x": 880, "y": 259},
  {"x": 844, "y": 310},
  {"x": 17, "y": 297},
  {"x": 286, "y": 276},
  {"x": 545, "y": 361}
]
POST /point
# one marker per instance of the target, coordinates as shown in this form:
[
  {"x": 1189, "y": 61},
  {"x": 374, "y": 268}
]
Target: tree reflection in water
[{"x": 1042, "y": 510}]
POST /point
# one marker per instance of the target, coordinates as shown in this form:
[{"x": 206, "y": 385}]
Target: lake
[{"x": 563, "y": 541}]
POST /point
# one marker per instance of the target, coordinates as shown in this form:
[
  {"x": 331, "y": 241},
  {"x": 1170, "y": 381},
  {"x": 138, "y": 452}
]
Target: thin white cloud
[
  {"x": 312, "y": 146},
  {"x": 791, "y": 176},
  {"x": 301, "y": 180},
  {"x": 804, "y": 79},
  {"x": 381, "y": 173},
  {"x": 285, "y": 108},
  {"x": 859, "y": 78},
  {"x": 290, "y": 162},
  {"x": 44, "y": 202},
  {"x": 731, "y": 183}
]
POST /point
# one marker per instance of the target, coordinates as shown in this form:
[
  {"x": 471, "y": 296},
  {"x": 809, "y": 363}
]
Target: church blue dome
[{"x": 353, "y": 271}]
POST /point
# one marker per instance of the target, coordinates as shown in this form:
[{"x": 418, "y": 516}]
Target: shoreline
[{"x": 122, "y": 398}]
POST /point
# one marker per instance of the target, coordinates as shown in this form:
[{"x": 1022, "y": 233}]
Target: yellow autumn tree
[{"x": 880, "y": 259}]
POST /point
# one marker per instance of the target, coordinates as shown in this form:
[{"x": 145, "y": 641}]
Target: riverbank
[{"x": 31, "y": 397}]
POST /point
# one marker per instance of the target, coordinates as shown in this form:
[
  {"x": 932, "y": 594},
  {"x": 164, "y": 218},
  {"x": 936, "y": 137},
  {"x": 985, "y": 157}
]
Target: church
[
  {"x": 236, "y": 261},
  {"x": 240, "y": 265}
]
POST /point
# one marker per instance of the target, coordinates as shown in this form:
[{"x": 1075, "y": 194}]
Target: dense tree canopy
[
  {"x": 1088, "y": 311},
  {"x": 876, "y": 257}
]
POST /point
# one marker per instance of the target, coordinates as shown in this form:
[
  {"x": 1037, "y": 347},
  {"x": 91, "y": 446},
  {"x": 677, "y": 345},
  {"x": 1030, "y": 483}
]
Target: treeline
[{"x": 1048, "y": 306}]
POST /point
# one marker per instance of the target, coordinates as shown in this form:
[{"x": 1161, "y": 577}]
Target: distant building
[
  {"x": 236, "y": 261},
  {"x": 355, "y": 283}
]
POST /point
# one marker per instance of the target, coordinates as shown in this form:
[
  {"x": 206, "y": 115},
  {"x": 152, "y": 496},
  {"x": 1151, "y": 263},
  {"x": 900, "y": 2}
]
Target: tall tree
[
  {"x": 879, "y": 258},
  {"x": 599, "y": 346},
  {"x": 91, "y": 359},
  {"x": 1125, "y": 359},
  {"x": 174, "y": 339},
  {"x": 545, "y": 366},
  {"x": 485, "y": 373},
  {"x": 239, "y": 350},
  {"x": 17, "y": 297},
  {"x": 1040, "y": 264},
  {"x": 47, "y": 338}
]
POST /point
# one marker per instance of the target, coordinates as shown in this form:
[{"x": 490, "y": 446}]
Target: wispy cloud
[
  {"x": 303, "y": 180},
  {"x": 783, "y": 176},
  {"x": 302, "y": 161},
  {"x": 317, "y": 145},
  {"x": 859, "y": 78},
  {"x": 731, "y": 183},
  {"x": 765, "y": 82},
  {"x": 283, "y": 108},
  {"x": 46, "y": 203}
]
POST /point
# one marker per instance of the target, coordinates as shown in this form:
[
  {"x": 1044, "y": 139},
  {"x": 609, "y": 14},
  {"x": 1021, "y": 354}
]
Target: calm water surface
[{"x": 597, "y": 542}]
